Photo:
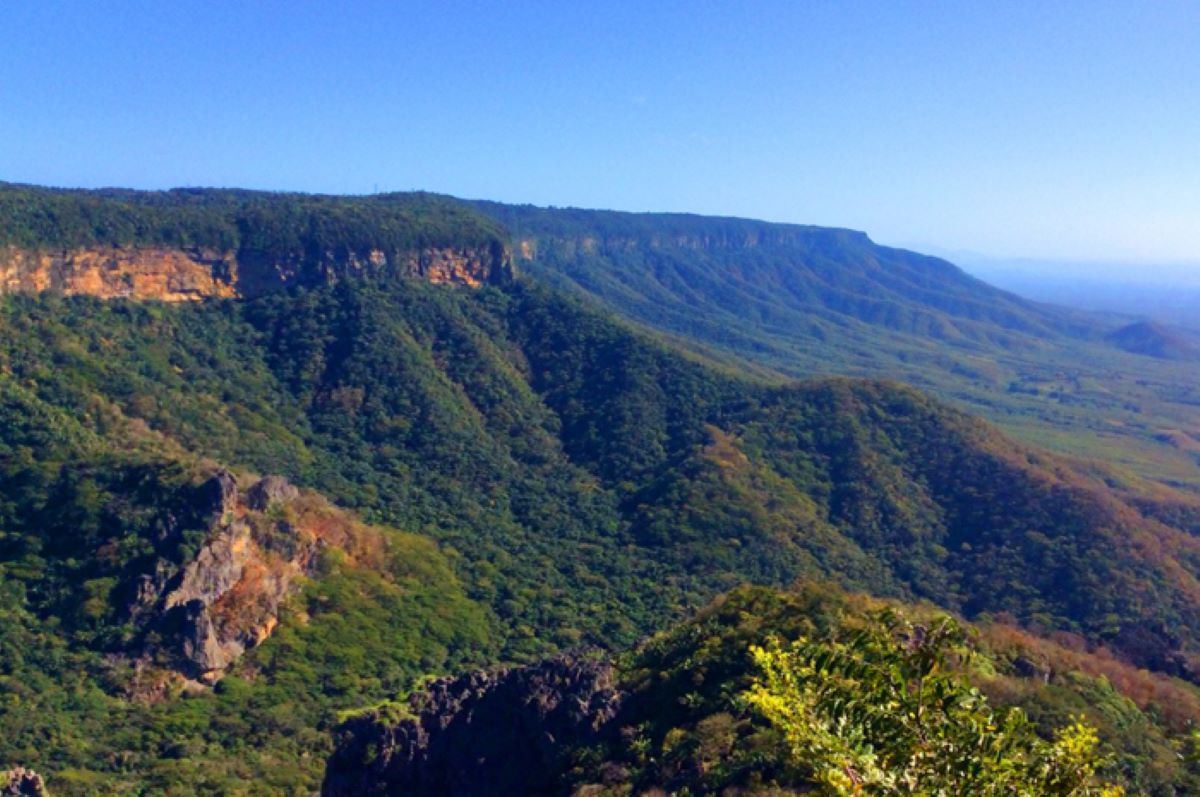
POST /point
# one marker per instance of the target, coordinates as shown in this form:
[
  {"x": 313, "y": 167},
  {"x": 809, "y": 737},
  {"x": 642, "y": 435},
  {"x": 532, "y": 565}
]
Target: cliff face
[
  {"x": 471, "y": 266},
  {"x": 717, "y": 240},
  {"x": 480, "y": 734},
  {"x": 199, "y": 616},
  {"x": 119, "y": 272},
  {"x": 178, "y": 275}
]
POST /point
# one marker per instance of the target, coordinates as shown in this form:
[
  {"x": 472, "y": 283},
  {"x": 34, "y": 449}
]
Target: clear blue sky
[{"x": 1051, "y": 129}]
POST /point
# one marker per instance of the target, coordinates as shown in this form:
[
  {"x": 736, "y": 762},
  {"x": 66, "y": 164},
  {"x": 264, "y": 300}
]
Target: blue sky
[{"x": 1041, "y": 129}]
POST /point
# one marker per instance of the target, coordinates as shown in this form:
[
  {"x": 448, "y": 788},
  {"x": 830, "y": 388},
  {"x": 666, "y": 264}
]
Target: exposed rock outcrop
[
  {"x": 721, "y": 236},
  {"x": 270, "y": 491},
  {"x": 200, "y": 615},
  {"x": 218, "y": 497},
  {"x": 191, "y": 274},
  {"x": 480, "y": 734},
  {"x": 172, "y": 275},
  {"x": 21, "y": 782}
]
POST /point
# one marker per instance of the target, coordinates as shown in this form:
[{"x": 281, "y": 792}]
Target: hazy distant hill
[
  {"x": 1164, "y": 293},
  {"x": 1156, "y": 340}
]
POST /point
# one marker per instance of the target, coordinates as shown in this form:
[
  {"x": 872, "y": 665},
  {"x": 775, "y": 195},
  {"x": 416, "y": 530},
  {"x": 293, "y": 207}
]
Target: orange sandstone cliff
[{"x": 191, "y": 274}]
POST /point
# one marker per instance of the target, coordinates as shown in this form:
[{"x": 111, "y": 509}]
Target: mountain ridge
[{"x": 1152, "y": 339}]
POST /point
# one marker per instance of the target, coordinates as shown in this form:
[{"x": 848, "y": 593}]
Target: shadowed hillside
[{"x": 674, "y": 714}]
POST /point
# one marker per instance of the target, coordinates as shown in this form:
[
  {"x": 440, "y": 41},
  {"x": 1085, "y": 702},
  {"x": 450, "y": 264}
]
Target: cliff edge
[{"x": 191, "y": 244}]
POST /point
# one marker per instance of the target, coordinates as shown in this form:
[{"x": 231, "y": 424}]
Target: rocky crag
[
  {"x": 484, "y": 733},
  {"x": 199, "y": 615}
]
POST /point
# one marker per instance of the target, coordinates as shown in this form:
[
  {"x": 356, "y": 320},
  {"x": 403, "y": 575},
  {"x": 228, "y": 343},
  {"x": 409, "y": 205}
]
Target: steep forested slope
[
  {"x": 801, "y": 301},
  {"x": 552, "y": 448},
  {"x": 808, "y": 301},
  {"x": 588, "y": 484}
]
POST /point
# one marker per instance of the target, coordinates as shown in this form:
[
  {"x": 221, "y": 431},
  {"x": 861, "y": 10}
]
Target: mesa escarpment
[
  {"x": 260, "y": 272},
  {"x": 718, "y": 239},
  {"x": 119, "y": 272},
  {"x": 190, "y": 244},
  {"x": 193, "y": 273}
]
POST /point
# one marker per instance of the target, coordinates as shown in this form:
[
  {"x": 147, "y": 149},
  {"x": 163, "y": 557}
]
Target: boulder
[{"x": 268, "y": 491}]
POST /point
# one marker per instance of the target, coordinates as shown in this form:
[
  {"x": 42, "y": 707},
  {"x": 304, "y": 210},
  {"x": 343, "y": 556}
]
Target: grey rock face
[
  {"x": 268, "y": 491},
  {"x": 480, "y": 734},
  {"x": 219, "y": 615},
  {"x": 207, "y": 611},
  {"x": 216, "y": 568},
  {"x": 220, "y": 495}
]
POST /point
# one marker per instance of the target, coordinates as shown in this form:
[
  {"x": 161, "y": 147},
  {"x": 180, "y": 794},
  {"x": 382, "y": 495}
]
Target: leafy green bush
[{"x": 885, "y": 710}]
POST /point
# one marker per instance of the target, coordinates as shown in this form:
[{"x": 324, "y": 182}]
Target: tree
[{"x": 883, "y": 709}]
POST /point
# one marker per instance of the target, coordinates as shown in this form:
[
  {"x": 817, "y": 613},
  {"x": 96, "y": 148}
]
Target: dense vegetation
[
  {"x": 100, "y": 720},
  {"x": 741, "y": 699},
  {"x": 880, "y": 710},
  {"x": 585, "y": 483},
  {"x": 235, "y": 220}
]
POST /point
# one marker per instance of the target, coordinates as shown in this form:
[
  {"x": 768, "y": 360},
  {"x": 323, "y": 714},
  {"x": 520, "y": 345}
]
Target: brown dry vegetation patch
[{"x": 1175, "y": 701}]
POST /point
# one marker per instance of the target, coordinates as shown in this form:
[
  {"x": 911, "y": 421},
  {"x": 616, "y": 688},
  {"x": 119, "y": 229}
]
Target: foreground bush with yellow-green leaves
[{"x": 883, "y": 710}]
